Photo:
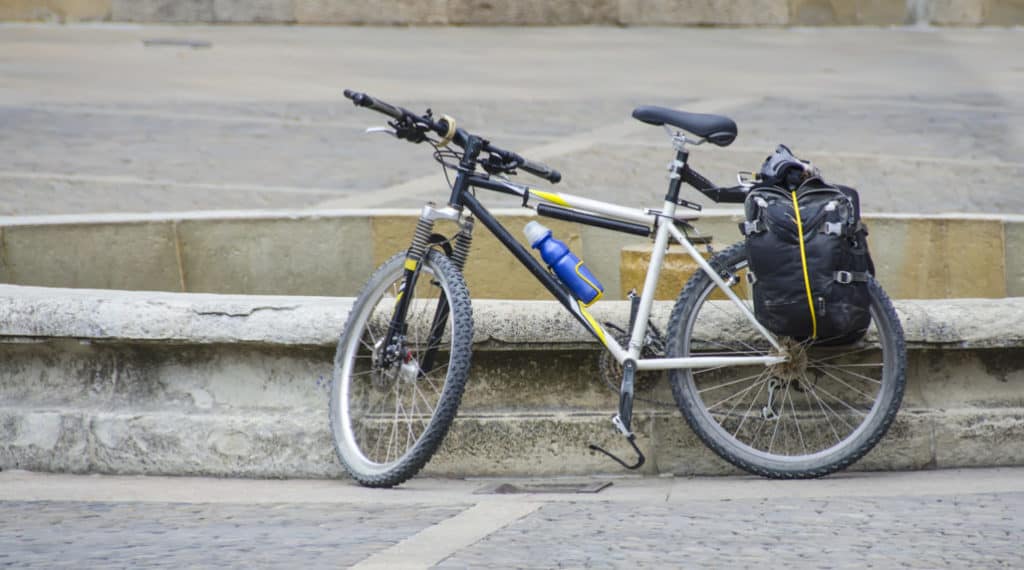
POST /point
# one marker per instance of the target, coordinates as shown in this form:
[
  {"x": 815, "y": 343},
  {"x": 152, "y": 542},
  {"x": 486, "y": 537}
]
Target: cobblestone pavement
[
  {"x": 94, "y": 120},
  {"x": 948, "y": 531},
  {"x": 51, "y": 534},
  {"x": 939, "y": 519}
]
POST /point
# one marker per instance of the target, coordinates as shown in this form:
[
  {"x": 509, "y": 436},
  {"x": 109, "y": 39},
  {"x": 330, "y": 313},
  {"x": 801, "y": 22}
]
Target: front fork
[{"x": 423, "y": 239}]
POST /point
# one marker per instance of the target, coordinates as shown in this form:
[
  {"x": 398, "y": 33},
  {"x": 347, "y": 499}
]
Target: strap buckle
[
  {"x": 834, "y": 228},
  {"x": 752, "y": 227},
  {"x": 844, "y": 277}
]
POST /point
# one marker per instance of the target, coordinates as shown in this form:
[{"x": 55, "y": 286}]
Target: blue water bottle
[{"x": 568, "y": 267}]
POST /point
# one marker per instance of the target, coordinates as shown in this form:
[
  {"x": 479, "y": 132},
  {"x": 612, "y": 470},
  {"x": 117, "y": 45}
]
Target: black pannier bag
[{"x": 819, "y": 291}]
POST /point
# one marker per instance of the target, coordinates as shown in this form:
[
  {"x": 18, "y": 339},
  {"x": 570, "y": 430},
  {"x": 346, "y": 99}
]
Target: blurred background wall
[{"x": 528, "y": 12}]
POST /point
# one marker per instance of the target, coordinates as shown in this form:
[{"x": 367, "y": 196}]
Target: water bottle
[{"x": 568, "y": 267}]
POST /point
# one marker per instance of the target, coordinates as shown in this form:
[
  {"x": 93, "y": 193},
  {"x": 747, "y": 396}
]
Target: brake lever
[
  {"x": 494, "y": 165},
  {"x": 385, "y": 130}
]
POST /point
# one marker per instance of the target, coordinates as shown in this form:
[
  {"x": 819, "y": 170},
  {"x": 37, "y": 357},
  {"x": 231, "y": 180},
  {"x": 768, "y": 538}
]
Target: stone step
[{"x": 157, "y": 383}]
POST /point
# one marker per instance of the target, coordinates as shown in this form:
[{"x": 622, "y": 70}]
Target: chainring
[{"x": 644, "y": 382}]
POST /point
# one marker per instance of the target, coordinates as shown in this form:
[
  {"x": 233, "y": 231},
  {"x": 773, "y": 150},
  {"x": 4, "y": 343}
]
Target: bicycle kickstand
[{"x": 623, "y": 419}]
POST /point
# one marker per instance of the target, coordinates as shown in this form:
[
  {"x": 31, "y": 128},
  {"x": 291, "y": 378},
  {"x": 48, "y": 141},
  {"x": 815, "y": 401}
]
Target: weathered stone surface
[
  {"x": 315, "y": 321},
  {"x": 220, "y": 385},
  {"x": 599, "y": 252},
  {"x": 979, "y": 437},
  {"x": 848, "y": 12},
  {"x": 332, "y": 253},
  {"x": 532, "y": 12},
  {"x": 1004, "y": 13},
  {"x": 494, "y": 272},
  {"x": 388, "y": 12},
  {"x": 957, "y": 12},
  {"x": 713, "y": 12},
  {"x": 253, "y": 11},
  {"x": 1014, "y": 237},
  {"x": 676, "y": 270},
  {"x": 528, "y": 12},
  {"x": 263, "y": 256},
  {"x": 56, "y": 10},
  {"x": 155, "y": 442},
  {"x": 191, "y": 318},
  {"x": 934, "y": 258},
  {"x": 111, "y": 256},
  {"x": 180, "y": 11}
]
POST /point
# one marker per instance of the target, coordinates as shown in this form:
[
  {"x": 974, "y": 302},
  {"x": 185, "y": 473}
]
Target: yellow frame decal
[
  {"x": 593, "y": 323},
  {"x": 410, "y": 264},
  {"x": 549, "y": 197}
]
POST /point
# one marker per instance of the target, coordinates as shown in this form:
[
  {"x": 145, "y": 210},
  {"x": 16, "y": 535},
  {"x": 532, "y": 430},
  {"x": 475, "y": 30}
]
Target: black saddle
[{"x": 716, "y": 129}]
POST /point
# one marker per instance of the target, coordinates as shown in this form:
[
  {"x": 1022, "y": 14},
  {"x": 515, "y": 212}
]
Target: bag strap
[
  {"x": 803, "y": 262},
  {"x": 847, "y": 277}
]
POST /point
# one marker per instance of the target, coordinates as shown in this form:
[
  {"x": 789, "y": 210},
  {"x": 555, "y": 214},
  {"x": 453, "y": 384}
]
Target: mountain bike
[{"x": 773, "y": 406}]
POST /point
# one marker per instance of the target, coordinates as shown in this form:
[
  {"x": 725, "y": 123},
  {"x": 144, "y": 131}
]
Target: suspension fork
[
  {"x": 414, "y": 258},
  {"x": 418, "y": 251},
  {"x": 463, "y": 240}
]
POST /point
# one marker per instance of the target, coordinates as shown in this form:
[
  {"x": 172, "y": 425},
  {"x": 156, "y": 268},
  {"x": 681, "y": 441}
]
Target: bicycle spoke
[
  {"x": 796, "y": 421},
  {"x": 749, "y": 409},
  {"x": 730, "y": 383},
  {"x": 835, "y": 356},
  {"x": 741, "y": 392},
  {"x": 843, "y": 369},
  {"x": 778, "y": 422},
  {"x": 839, "y": 380},
  {"x": 841, "y": 401},
  {"x": 394, "y": 423},
  {"x": 836, "y": 414}
]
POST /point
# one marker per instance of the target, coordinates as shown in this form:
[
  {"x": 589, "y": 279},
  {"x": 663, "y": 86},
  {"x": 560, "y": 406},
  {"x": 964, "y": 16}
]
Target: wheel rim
[
  {"x": 802, "y": 412},
  {"x": 384, "y": 413}
]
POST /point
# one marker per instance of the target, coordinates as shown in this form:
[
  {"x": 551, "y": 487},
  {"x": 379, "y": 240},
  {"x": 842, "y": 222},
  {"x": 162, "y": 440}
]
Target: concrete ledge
[
  {"x": 129, "y": 382},
  {"x": 140, "y": 316},
  {"x": 283, "y": 253}
]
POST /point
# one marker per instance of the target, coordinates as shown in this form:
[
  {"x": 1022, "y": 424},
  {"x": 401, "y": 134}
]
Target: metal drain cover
[{"x": 528, "y": 488}]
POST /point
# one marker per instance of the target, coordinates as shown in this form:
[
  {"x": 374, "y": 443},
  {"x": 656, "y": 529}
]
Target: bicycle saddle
[{"x": 716, "y": 129}]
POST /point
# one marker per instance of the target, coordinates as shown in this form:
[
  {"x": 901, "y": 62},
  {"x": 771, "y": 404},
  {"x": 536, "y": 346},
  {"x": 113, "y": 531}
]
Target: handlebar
[
  {"x": 364, "y": 100},
  {"x": 411, "y": 131}
]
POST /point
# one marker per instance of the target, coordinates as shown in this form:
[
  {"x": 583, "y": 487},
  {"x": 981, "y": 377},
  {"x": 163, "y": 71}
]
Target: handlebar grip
[
  {"x": 364, "y": 100},
  {"x": 542, "y": 170}
]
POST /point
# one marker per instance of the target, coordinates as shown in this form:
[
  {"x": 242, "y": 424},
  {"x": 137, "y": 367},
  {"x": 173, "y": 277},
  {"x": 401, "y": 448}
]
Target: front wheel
[
  {"x": 815, "y": 414},
  {"x": 391, "y": 406}
]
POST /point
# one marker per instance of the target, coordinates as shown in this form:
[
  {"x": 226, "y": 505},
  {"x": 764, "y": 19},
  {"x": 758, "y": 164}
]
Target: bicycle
[{"x": 776, "y": 407}]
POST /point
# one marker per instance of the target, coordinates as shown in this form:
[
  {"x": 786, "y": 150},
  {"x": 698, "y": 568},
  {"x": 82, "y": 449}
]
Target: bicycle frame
[
  {"x": 663, "y": 221},
  {"x": 591, "y": 212}
]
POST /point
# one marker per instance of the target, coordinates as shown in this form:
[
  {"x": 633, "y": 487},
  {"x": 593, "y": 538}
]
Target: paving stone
[
  {"x": 177, "y": 535},
  {"x": 947, "y": 531}
]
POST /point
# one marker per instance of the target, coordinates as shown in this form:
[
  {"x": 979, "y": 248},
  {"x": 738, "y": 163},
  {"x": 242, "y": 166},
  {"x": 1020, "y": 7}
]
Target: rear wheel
[
  {"x": 817, "y": 413},
  {"x": 392, "y": 406}
]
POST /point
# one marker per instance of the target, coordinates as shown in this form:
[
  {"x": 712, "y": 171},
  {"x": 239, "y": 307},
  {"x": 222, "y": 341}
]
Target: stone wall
[
  {"x": 185, "y": 384},
  {"x": 528, "y": 12},
  {"x": 332, "y": 253}
]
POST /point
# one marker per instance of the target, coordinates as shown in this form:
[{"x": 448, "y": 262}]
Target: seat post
[{"x": 675, "y": 176}]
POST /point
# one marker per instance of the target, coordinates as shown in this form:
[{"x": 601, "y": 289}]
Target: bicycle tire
[
  {"x": 417, "y": 405},
  {"x": 824, "y": 376}
]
